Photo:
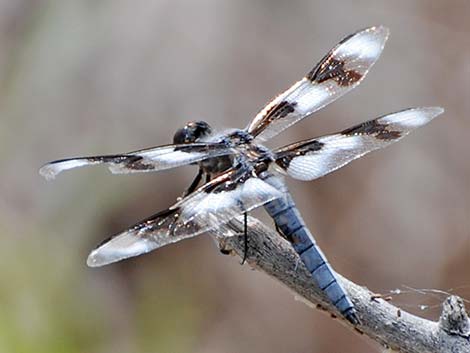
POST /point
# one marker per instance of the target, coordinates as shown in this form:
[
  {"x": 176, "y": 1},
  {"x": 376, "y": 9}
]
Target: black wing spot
[
  {"x": 388, "y": 135},
  {"x": 284, "y": 162},
  {"x": 129, "y": 162},
  {"x": 373, "y": 128},
  {"x": 333, "y": 69},
  {"x": 138, "y": 164},
  {"x": 284, "y": 158},
  {"x": 117, "y": 158},
  {"x": 281, "y": 110}
]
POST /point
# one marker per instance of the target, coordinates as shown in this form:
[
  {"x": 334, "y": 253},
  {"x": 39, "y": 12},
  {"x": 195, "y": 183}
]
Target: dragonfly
[{"x": 237, "y": 173}]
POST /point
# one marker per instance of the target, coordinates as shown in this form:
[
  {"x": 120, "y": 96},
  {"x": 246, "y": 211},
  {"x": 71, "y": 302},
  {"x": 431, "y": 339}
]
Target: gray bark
[{"x": 383, "y": 322}]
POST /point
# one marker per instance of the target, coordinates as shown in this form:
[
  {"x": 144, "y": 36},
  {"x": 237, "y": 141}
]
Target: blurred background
[{"x": 93, "y": 77}]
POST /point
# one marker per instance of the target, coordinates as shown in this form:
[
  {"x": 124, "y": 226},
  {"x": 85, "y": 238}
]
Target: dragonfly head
[{"x": 191, "y": 132}]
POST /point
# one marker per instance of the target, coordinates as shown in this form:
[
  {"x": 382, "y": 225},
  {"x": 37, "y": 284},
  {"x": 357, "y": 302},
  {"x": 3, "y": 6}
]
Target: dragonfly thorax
[{"x": 246, "y": 153}]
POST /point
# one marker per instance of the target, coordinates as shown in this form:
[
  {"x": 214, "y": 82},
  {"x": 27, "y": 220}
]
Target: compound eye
[
  {"x": 191, "y": 132},
  {"x": 181, "y": 136}
]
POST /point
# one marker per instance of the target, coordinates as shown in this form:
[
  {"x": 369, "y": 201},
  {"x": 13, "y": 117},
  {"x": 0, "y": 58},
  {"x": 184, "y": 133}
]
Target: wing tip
[
  {"x": 98, "y": 259},
  {"x": 49, "y": 171},
  {"x": 412, "y": 118},
  {"x": 378, "y": 34},
  {"x": 435, "y": 111},
  {"x": 52, "y": 169},
  {"x": 93, "y": 259},
  {"x": 365, "y": 45},
  {"x": 105, "y": 255},
  {"x": 379, "y": 31},
  {"x": 428, "y": 113},
  {"x": 119, "y": 247}
]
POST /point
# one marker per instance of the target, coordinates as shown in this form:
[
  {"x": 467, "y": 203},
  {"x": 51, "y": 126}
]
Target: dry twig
[{"x": 383, "y": 322}]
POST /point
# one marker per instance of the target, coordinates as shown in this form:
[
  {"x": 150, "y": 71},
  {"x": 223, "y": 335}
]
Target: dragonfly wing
[
  {"x": 147, "y": 160},
  {"x": 342, "y": 69},
  {"x": 311, "y": 159},
  {"x": 209, "y": 207}
]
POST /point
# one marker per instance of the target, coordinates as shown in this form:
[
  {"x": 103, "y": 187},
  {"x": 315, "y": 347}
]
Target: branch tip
[{"x": 454, "y": 319}]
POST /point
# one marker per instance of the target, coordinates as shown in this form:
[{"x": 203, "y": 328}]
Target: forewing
[
  {"x": 342, "y": 69},
  {"x": 147, "y": 160},
  {"x": 209, "y": 207},
  {"x": 311, "y": 159}
]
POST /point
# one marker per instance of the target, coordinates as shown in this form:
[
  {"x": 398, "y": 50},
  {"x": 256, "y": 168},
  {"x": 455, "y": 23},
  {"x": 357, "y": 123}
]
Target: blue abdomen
[{"x": 289, "y": 221}]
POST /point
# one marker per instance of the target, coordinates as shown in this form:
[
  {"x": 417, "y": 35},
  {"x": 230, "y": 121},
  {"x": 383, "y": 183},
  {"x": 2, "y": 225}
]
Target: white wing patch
[
  {"x": 307, "y": 96},
  {"x": 412, "y": 118},
  {"x": 369, "y": 43},
  {"x": 336, "y": 153}
]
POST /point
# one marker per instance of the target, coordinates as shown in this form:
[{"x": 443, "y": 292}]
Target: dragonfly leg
[
  {"x": 194, "y": 184},
  {"x": 279, "y": 231},
  {"x": 245, "y": 237}
]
